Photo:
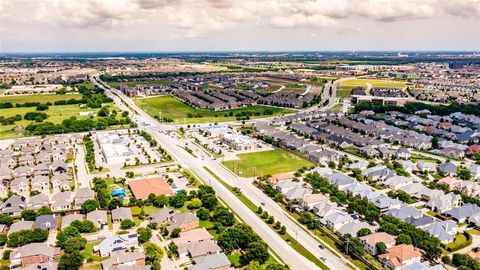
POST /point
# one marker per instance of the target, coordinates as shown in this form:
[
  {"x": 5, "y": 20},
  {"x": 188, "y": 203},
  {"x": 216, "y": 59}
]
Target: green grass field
[
  {"x": 132, "y": 84},
  {"x": 345, "y": 87},
  {"x": 38, "y": 98},
  {"x": 171, "y": 107},
  {"x": 267, "y": 162},
  {"x": 56, "y": 114}
]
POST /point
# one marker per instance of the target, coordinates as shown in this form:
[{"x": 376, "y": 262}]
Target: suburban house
[
  {"x": 183, "y": 221},
  {"x": 121, "y": 213},
  {"x": 445, "y": 202},
  {"x": 61, "y": 182},
  {"x": 422, "y": 221},
  {"x": 82, "y": 195},
  {"x": 397, "y": 257},
  {"x": 61, "y": 201},
  {"x": 462, "y": 213},
  {"x": 448, "y": 168},
  {"x": 370, "y": 241},
  {"x": 38, "y": 201},
  {"x": 162, "y": 216},
  {"x": 336, "y": 220},
  {"x": 68, "y": 219},
  {"x": 279, "y": 177},
  {"x": 118, "y": 243},
  {"x": 425, "y": 166},
  {"x": 46, "y": 222},
  {"x": 136, "y": 259},
  {"x": 310, "y": 200},
  {"x": 404, "y": 213},
  {"x": 443, "y": 230},
  {"x": 199, "y": 249},
  {"x": 325, "y": 208},
  {"x": 98, "y": 217},
  {"x": 287, "y": 185},
  {"x": 33, "y": 253},
  {"x": 212, "y": 262},
  {"x": 13, "y": 205},
  {"x": 20, "y": 226}
]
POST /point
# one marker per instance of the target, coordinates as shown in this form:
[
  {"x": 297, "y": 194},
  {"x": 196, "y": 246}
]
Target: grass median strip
[{"x": 289, "y": 239}]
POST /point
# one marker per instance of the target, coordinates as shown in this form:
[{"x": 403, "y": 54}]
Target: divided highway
[{"x": 277, "y": 244}]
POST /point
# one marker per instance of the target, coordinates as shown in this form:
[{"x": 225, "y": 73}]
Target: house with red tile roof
[
  {"x": 144, "y": 187},
  {"x": 397, "y": 257}
]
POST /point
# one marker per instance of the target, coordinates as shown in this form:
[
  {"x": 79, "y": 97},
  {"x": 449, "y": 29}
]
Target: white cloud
[
  {"x": 201, "y": 16},
  {"x": 167, "y": 20}
]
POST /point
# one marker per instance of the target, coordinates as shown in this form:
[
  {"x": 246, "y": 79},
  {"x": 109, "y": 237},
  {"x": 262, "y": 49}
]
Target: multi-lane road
[{"x": 174, "y": 146}]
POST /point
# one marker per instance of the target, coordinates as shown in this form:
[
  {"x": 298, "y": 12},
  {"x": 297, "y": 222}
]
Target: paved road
[
  {"x": 83, "y": 178},
  {"x": 278, "y": 245}
]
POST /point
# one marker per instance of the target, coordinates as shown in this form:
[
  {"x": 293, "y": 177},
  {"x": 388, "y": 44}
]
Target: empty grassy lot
[
  {"x": 56, "y": 114},
  {"x": 345, "y": 87},
  {"x": 42, "y": 98},
  {"x": 267, "y": 162},
  {"x": 132, "y": 84},
  {"x": 170, "y": 107}
]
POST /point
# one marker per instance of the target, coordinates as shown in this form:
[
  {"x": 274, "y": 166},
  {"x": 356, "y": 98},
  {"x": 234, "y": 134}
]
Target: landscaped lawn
[
  {"x": 345, "y": 87},
  {"x": 460, "y": 242},
  {"x": 172, "y": 108},
  {"x": 234, "y": 258},
  {"x": 88, "y": 252},
  {"x": 148, "y": 210},
  {"x": 267, "y": 162},
  {"x": 56, "y": 114}
]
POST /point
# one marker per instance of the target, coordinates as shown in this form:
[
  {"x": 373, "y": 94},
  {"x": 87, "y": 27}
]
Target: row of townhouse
[
  {"x": 337, "y": 219},
  {"x": 60, "y": 201},
  {"x": 444, "y": 230},
  {"x": 43, "y": 177},
  {"x": 314, "y": 152}
]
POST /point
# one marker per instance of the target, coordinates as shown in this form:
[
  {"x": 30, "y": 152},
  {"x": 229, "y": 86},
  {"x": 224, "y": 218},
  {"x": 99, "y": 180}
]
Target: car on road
[
  {"x": 262, "y": 203},
  {"x": 320, "y": 246},
  {"x": 323, "y": 259}
]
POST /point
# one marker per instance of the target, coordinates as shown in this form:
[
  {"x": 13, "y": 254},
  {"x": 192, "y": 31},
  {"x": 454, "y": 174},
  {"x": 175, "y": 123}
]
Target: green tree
[
  {"x": 29, "y": 215},
  {"x": 195, "y": 203},
  {"x": 256, "y": 251},
  {"x": 144, "y": 234},
  {"x": 363, "y": 232},
  {"x": 115, "y": 203},
  {"x": 177, "y": 200},
  {"x": 103, "y": 112},
  {"x": 65, "y": 234},
  {"x": 175, "y": 233},
  {"x": 152, "y": 251},
  {"x": 74, "y": 244},
  {"x": 381, "y": 247},
  {"x": 161, "y": 201},
  {"x": 70, "y": 261},
  {"x": 90, "y": 206},
  {"x": 85, "y": 226},
  {"x": 3, "y": 239},
  {"x": 6, "y": 219},
  {"x": 446, "y": 260},
  {"x": 464, "y": 173},
  {"x": 404, "y": 239},
  {"x": 223, "y": 216},
  {"x": 203, "y": 213},
  {"x": 44, "y": 211},
  {"x": 127, "y": 224},
  {"x": 209, "y": 201},
  {"x": 434, "y": 142}
]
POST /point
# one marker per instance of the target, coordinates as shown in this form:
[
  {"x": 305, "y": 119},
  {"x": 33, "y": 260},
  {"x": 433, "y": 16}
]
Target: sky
[{"x": 238, "y": 25}]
